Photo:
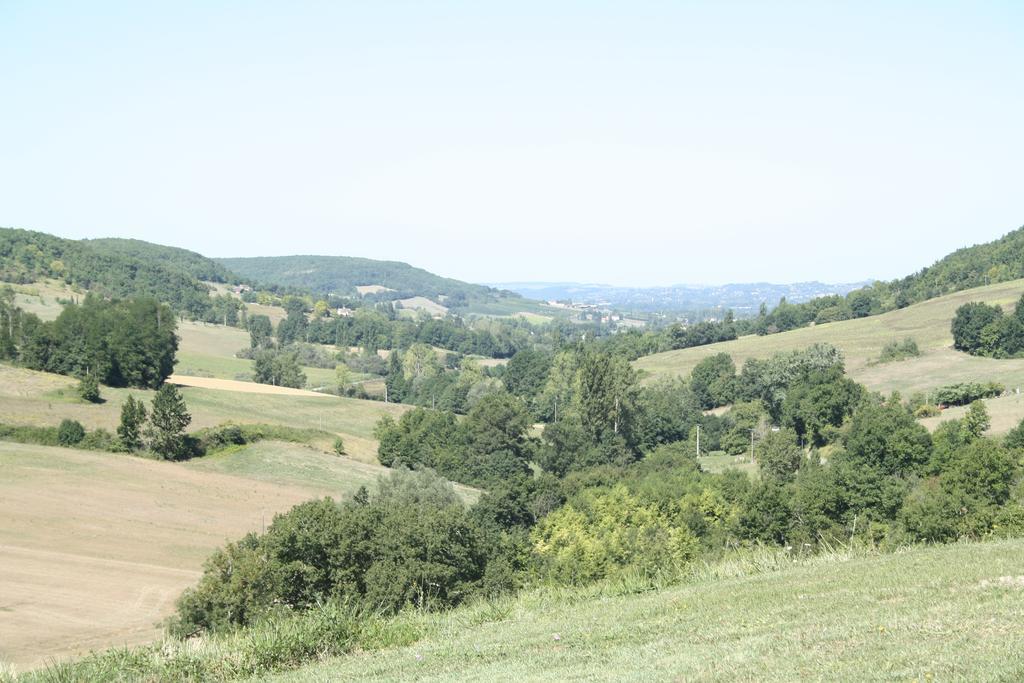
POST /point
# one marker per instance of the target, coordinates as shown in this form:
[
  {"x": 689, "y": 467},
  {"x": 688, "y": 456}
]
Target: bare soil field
[
  {"x": 240, "y": 387},
  {"x": 95, "y": 547}
]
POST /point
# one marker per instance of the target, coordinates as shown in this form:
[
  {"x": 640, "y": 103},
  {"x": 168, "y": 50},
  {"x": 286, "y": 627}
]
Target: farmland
[
  {"x": 861, "y": 341},
  {"x": 95, "y": 547},
  {"x": 35, "y": 398}
]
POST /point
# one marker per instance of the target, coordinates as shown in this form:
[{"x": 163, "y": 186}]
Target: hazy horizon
[{"x": 647, "y": 145}]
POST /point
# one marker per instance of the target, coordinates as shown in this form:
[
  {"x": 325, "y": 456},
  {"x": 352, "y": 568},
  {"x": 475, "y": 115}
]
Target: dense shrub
[
  {"x": 70, "y": 432},
  {"x": 411, "y": 544},
  {"x": 897, "y": 351},
  {"x": 967, "y": 392}
]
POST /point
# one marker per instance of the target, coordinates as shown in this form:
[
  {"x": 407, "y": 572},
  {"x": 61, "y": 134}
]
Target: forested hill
[
  {"x": 982, "y": 264},
  {"x": 104, "y": 268},
  {"x": 342, "y": 274},
  {"x": 184, "y": 261}
]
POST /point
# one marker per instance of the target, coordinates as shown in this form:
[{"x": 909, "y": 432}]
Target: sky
[{"x": 631, "y": 143}]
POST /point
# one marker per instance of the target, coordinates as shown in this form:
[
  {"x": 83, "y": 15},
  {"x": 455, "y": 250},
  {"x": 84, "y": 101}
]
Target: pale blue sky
[{"x": 631, "y": 142}]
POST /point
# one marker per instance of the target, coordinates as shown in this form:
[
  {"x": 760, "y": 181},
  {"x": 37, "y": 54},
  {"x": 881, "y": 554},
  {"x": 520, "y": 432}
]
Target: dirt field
[
  {"x": 240, "y": 387},
  {"x": 95, "y": 547}
]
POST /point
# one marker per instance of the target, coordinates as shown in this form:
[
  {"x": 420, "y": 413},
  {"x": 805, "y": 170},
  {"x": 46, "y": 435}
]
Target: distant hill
[
  {"x": 103, "y": 266},
  {"x": 744, "y": 299},
  {"x": 341, "y": 275},
  {"x": 184, "y": 261}
]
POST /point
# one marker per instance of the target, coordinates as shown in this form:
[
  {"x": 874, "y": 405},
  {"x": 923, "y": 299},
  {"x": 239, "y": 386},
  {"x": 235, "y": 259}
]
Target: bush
[
  {"x": 927, "y": 410},
  {"x": 98, "y": 440},
  {"x": 413, "y": 544},
  {"x": 70, "y": 433},
  {"x": 212, "y": 439},
  {"x": 896, "y": 351},
  {"x": 89, "y": 389},
  {"x": 967, "y": 392},
  {"x": 339, "y": 446}
]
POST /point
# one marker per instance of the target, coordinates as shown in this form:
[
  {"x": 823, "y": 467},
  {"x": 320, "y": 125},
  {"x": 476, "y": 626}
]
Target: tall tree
[{"x": 168, "y": 421}]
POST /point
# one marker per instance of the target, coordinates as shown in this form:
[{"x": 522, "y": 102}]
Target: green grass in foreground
[
  {"x": 928, "y": 613},
  {"x": 943, "y": 613}
]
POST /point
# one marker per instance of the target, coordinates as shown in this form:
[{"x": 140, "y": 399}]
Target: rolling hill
[
  {"x": 187, "y": 262},
  {"x": 383, "y": 280},
  {"x": 927, "y": 613},
  {"x": 861, "y": 341}
]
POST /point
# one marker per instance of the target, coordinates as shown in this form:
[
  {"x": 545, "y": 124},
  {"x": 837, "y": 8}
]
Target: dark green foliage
[
  {"x": 766, "y": 514},
  {"x": 779, "y": 456},
  {"x": 819, "y": 403},
  {"x": 413, "y": 544},
  {"x": 182, "y": 261},
  {"x": 1015, "y": 437},
  {"x": 667, "y": 411},
  {"x": 70, "y": 432},
  {"x": 416, "y": 438},
  {"x": 280, "y": 368},
  {"x": 261, "y": 332},
  {"x": 133, "y": 416},
  {"x": 490, "y": 445},
  {"x": 121, "y": 343},
  {"x": 703, "y": 333},
  {"x": 897, "y": 351},
  {"x": 769, "y": 380},
  {"x": 713, "y": 381},
  {"x": 212, "y": 439},
  {"x": 526, "y": 373},
  {"x": 102, "y": 268},
  {"x": 89, "y": 389},
  {"x": 168, "y": 419},
  {"x": 966, "y": 392},
  {"x": 887, "y": 437},
  {"x": 984, "y": 330}
]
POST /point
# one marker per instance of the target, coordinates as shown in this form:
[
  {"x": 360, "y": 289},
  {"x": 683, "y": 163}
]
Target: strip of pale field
[
  {"x": 95, "y": 547},
  {"x": 946, "y": 613},
  {"x": 240, "y": 387}
]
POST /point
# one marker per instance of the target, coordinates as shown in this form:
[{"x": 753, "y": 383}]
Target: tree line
[
  {"x": 613, "y": 484},
  {"x": 121, "y": 343}
]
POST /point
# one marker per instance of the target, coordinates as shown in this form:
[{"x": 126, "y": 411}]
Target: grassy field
[
  {"x": 939, "y": 613},
  {"x": 209, "y": 351},
  {"x": 36, "y": 398},
  {"x": 95, "y": 547},
  {"x": 862, "y": 340}
]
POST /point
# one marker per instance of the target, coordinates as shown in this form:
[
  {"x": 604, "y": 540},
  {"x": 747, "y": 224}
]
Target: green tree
[
  {"x": 133, "y": 416},
  {"x": 779, "y": 456},
  {"x": 167, "y": 422},
  {"x": 886, "y": 436},
  {"x": 89, "y": 389},
  {"x": 279, "y": 368},
  {"x": 260, "y": 331},
  {"x": 70, "y": 432},
  {"x": 713, "y": 381}
]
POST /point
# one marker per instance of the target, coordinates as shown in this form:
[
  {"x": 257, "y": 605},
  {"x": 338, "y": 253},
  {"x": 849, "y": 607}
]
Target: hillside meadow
[
  {"x": 28, "y": 397},
  {"x": 926, "y": 613},
  {"x": 862, "y": 340}
]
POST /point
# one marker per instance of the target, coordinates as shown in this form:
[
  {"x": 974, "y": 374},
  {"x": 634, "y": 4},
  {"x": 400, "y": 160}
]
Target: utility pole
[
  {"x": 698, "y": 440},
  {"x": 751, "y": 445}
]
